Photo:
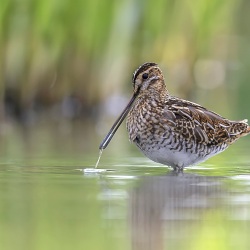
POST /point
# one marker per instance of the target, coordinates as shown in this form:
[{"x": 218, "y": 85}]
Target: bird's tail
[
  {"x": 246, "y": 131},
  {"x": 237, "y": 130}
]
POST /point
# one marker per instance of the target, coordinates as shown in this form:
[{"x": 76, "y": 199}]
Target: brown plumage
[{"x": 170, "y": 130}]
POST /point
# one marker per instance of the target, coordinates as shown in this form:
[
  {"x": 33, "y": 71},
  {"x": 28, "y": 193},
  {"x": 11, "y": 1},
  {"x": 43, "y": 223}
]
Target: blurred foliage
[{"x": 65, "y": 58}]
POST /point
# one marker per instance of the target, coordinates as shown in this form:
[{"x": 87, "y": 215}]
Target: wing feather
[{"x": 195, "y": 122}]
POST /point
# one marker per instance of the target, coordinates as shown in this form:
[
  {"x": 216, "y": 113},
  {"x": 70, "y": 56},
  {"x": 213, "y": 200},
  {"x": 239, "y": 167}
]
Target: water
[{"x": 48, "y": 201}]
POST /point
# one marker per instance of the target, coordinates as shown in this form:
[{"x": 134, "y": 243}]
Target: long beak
[{"x": 118, "y": 122}]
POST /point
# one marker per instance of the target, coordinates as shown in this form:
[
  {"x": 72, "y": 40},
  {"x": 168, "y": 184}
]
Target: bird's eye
[{"x": 145, "y": 76}]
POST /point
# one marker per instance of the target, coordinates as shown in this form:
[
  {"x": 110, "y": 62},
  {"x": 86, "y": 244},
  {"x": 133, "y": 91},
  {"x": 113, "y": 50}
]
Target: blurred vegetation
[{"x": 65, "y": 59}]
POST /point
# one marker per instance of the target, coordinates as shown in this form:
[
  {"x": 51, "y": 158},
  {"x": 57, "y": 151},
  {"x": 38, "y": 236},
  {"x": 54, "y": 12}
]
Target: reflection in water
[{"x": 164, "y": 209}]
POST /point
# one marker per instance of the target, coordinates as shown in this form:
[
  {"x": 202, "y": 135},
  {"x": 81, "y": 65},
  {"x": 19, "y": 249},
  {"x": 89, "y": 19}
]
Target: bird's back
[{"x": 195, "y": 122}]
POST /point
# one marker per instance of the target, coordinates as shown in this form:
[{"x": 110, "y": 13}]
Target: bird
[{"x": 170, "y": 130}]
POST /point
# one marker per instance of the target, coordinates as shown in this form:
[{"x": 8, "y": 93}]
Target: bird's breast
[{"x": 144, "y": 122}]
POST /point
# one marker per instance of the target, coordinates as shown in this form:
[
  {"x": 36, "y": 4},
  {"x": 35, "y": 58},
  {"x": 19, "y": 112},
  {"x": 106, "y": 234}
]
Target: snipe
[{"x": 170, "y": 130}]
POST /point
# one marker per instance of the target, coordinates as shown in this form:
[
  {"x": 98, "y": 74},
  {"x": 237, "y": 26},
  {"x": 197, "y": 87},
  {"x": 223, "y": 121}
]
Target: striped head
[{"x": 146, "y": 76}]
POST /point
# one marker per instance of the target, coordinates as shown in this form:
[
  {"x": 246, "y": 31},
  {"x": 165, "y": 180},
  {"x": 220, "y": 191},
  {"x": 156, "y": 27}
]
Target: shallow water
[{"x": 47, "y": 201}]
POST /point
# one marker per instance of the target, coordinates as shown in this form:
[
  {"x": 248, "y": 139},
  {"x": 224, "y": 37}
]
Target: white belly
[
  {"x": 177, "y": 159},
  {"x": 171, "y": 158}
]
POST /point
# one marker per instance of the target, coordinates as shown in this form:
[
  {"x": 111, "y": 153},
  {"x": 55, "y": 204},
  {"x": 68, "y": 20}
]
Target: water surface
[{"x": 48, "y": 202}]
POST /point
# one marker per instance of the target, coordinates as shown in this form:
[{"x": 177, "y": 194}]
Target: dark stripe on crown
[{"x": 142, "y": 68}]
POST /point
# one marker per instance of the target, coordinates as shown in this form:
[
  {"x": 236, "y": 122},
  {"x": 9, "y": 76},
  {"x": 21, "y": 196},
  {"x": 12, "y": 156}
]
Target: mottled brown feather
[{"x": 195, "y": 122}]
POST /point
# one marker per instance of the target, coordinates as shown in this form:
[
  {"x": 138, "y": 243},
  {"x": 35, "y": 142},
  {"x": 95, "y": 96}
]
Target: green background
[{"x": 65, "y": 75}]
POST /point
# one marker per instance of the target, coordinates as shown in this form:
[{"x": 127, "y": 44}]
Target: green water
[{"x": 47, "y": 201}]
